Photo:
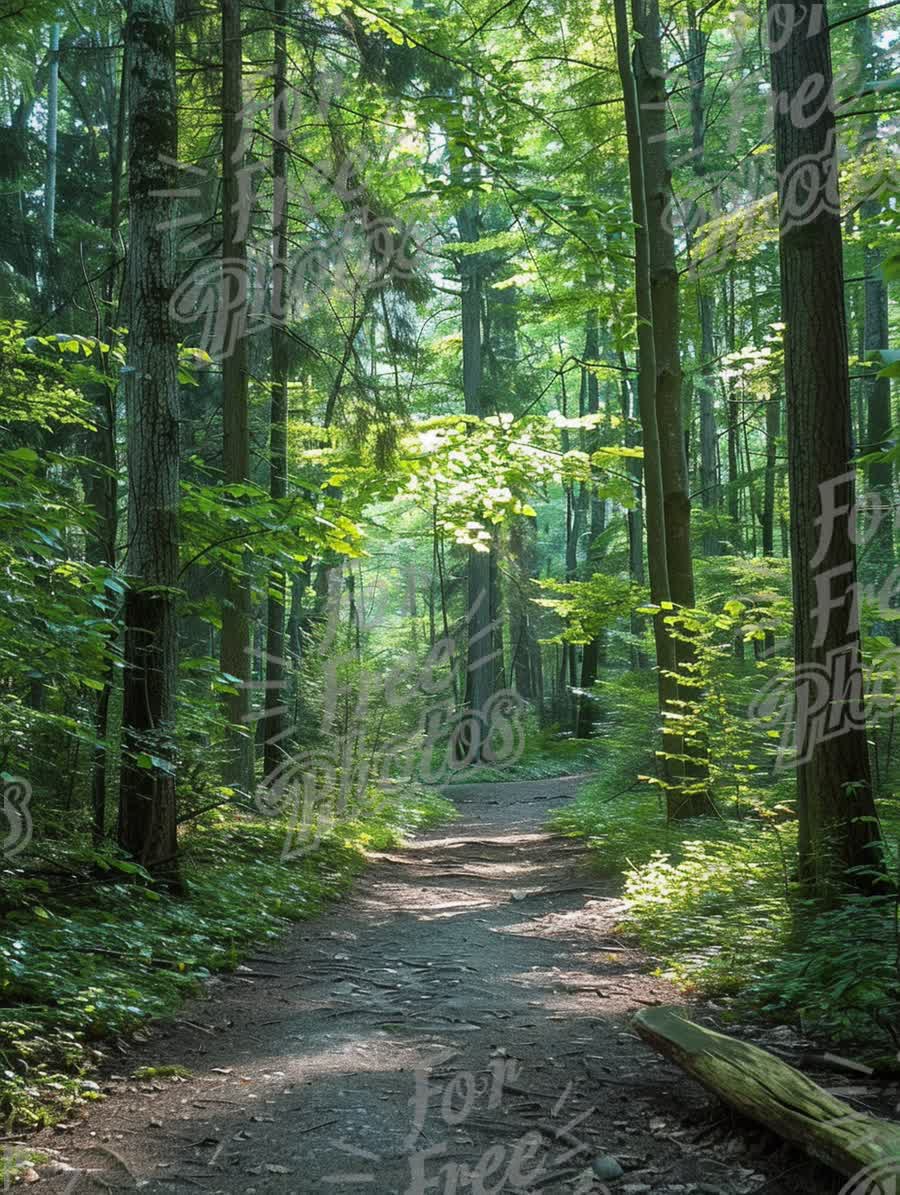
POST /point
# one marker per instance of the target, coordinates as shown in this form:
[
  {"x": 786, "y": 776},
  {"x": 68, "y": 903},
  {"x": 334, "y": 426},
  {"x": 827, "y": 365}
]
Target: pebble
[{"x": 606, "y": 1167}]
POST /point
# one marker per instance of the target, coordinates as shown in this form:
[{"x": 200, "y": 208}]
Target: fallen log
[{"x": 762, "y": 1087}]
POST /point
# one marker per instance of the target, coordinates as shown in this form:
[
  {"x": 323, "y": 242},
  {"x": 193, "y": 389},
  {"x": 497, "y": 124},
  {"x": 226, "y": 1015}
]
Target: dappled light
[{"x": 449, "y": 617}]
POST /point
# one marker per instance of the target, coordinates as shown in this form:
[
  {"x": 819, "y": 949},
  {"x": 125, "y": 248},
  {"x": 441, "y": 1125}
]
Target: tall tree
[
  {"x": 698, "y": 41},
  {"x": 593, "y": 650},
  {"x": 838, "y": 830},
  {"x": 52, "y": 136},
  {"x": 480, "y": 666},
  {"x": 657, "y": 563},
  {"x": 688, "y": 793},
  {"x": 876, "y": 390},
  {"x": 275, "y": 638},
  {"x": 147, "y": 794},
  {"x": 650, "y": 78},
  {"x": 236, "y": 202}
]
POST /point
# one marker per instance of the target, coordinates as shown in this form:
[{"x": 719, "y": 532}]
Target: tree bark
[
  {"x": 876, "y": 392},
  {"x": 734, "y": 414},
  {"x": 773, "y": 431},
  {"x": 657, "y": 564},
  {"x": 147, "y": 816},
  {"x": 235, "y": 643},
  {"x": 52, "y": 127},
  {"x": 838, "y": 832},
  {"x": 480, "y": 659},
  {"x": 757, "y": 1084},
  {"x": 592, "y": 653},
  {"x": 710, "y": 495},
  {"x": 634, "y": 518},
  {"x": 650, "y": 79},
  {"x": 687, "y": 795},
  {"x": 709, "y": 473},
  {"x": 523, "y": 644},
  {"x": 101, "y": 488},
  {"x": 275, "y": 699}
]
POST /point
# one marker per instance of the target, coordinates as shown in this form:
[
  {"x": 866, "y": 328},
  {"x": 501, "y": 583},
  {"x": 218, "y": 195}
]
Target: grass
[
  {"x": 546, "y": 755},
  {"x": 706, "y": 897},
  {"x": 86, "y": 959}
]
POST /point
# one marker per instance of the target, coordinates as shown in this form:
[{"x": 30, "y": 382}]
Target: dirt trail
[{"x": 478, "y": 968}]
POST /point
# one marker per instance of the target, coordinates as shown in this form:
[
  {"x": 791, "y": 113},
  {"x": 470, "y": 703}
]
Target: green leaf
[
  {"x": 890, "y": 267},
  {"x": 27, "y": 455},
  {"x": 889, "y": 358}
]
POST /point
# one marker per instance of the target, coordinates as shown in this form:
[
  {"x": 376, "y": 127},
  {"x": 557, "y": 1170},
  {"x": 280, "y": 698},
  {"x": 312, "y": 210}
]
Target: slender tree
[
  {"x": 235, "y": 644},
  {"x": 710, "y": 496},
  {"x": 688, "y": 796},
  {"x": 480, "y": 667},
  {"x": 657, "y": 563},
  {"x": 52, "y": 139},
  {"x": 147, "y": 794},
  {"x": 650, "y": 79},
  {"x": 592, "y": 653},
  {"x": 877, "y": 391},
  {"x": 275, "y": 621}
]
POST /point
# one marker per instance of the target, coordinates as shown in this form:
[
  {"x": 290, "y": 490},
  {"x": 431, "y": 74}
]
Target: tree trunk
[
  {"x": 773, "y": 431},
  {"x": 568, "y": 713},
  {"x": 710, "y": 496},
  {"x": 101, "y": 489},
  {"x": 838, "y": 831},
  {"x": 758, "y": 1085},
  {"x": 592, "y": 652},
  {"x": 734, "y": 413},
  {"x": 650, "y": 79},
  {"x": 635, "y": 516},
  {"x": 235, "y": 644},
  {"x": 709, "y": 473},
  {"x": 480, "y": 660},
  {"x": 147, "y": 818},
  {"x": 52, "y": 126},
  {"x": 687, "y": 795},
  {"x": 592, "y": 656},
  {"x": 275, "y": 699},
  {"x": 653, "y": 487},
  {"x": 875, "y": 392},
  {"x": 522, "y": 640}
]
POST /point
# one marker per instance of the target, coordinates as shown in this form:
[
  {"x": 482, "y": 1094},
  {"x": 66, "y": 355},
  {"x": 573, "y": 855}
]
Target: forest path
[{"x": 479, "y": 965}]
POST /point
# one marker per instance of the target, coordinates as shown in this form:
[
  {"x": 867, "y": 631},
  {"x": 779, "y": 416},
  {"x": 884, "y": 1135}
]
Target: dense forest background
[{"x": 398, "y": 394}]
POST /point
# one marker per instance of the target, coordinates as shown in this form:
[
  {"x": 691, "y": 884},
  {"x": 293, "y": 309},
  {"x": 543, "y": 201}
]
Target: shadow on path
[{"x": 458, "y": 1024}]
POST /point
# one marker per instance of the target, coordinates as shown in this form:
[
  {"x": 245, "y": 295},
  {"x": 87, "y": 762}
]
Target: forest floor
[{"x": 480, "y": 968}]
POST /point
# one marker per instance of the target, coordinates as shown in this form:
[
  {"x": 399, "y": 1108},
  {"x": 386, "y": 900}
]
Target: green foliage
[
  {"x": 715, "y": 900},
  {"x": 714, "y": 907},
  {"x": 56, "y": 619},
  {"x": 548, "y": 753},
  {"x": 100, "y": 955},
  {"x": 220, "y": 524},
  {"x": 712, "y": 716},
  {"x": 39, "y": 385},
  {"x": 413, "y": 117},
  {"x": 839, "y": 972},
  {"x": 589, "y": 607}
]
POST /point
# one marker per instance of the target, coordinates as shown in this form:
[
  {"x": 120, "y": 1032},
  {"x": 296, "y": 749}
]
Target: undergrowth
[
  {"x": 546, "y": 755},
  {"x": 714, "y": 901},
  {"x": 92, "y": 956}
]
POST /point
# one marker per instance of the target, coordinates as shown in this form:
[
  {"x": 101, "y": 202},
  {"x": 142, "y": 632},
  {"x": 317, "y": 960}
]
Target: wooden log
[{"x": 762, "y": 1087}]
